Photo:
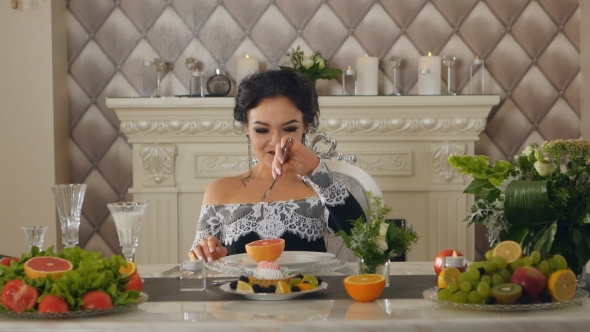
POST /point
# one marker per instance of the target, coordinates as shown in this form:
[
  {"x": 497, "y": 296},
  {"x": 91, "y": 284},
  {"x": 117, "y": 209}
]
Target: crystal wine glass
[
  {"x": 127, "y": 217},
  {"x": 160, "y": 65},
  {"x": 395, "y": 62},
  {"x": 35, "y": 235},
  {"x": 449, "y": 61},
  {"x": 69, "y": 199},
  {"x": 190, "y": 64}
]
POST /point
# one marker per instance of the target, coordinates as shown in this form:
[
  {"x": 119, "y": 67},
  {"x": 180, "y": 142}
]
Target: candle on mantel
[
  {"x": 367, "y": 75},
  {"x": 429, "y": 75},
  {"x": 247, "y": 66}
]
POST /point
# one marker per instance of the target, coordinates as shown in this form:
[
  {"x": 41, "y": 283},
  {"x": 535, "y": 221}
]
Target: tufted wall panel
[{"x": 531, "y": 48}]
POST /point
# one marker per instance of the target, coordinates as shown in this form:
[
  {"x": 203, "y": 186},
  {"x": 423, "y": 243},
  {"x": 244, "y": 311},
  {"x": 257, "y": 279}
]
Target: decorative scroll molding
[
  {"x": 396, "y": 164},
  {"x": 440, "y": 153},
  {"x": 334, "y": 125},
  {"x": 399, "y": 125},
  {"x": 219, "y": 166},
  {"x": 158, "y": 163},
  {"x": 188, "y": 127}
]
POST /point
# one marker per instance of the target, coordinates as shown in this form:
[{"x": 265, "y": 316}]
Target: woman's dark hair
[{"x": 278, "y": 83}]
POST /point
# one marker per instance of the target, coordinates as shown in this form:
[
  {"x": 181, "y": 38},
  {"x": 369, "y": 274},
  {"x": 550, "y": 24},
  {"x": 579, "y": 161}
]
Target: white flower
[
  {"x": 545, "y": 168},
  {"x": 382, "y": 245},
  {"x": 528, "y": 151},
  {"x": 321, "y": 63},
  {"x": 383, "y": 230},
  {"x": 307, "y": 63}
]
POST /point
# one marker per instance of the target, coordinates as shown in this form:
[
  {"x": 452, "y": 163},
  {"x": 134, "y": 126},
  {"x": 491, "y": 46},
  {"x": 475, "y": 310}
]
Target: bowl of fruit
[{"x": 508, "y": 280}]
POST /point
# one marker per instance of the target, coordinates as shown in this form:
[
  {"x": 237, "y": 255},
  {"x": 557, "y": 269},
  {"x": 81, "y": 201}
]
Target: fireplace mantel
[{"x": 180, "y": 145}]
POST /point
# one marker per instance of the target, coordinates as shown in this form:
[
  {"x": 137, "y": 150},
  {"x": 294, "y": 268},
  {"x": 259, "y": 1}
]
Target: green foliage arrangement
[
  {"x": 375, "y": 240},
  {"x": 542, "y": 200},
  {"x": 315, "y": 66}
]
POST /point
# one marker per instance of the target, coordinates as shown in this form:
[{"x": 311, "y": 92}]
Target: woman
[{"x": 275, "y": 107}]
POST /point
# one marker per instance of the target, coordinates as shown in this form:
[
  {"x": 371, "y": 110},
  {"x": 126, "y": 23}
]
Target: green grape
[
  {"x": 486, "y": 279},
  {"x": 500, "y": 262},
  {"x": 527, "y": 261},
  {"x": 497, "y": 280},
  {"x": 474, "y": 283},
  {"x": 552, "y": 264},
  {"x": 460, "y": 297},
  {"x": 444, "y": 295},
  {"x": 463, "y": 277},
  {"x": 489, "y": 255},
  {"x": 490, "y": 266},
  {"x": 452, "y": 287},
  {"x": 473, "y": 267},
  {"x": 544, "y": 266},
  {"x": 473, "y": 275},
  {"x": 465, "y": 286},
  {"x": 516, "y": 264},
  {"x": 483, "y": 288},
  {"x": 536, "y": 256},
  {"x": 474, "y": 297},
  {"x": 560, "y": 262},
  {"x": 506, "y": 275}
]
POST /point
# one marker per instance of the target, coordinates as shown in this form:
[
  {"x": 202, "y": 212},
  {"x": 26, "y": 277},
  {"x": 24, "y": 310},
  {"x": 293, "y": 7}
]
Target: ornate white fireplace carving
[{"x": 180, "y": 145}]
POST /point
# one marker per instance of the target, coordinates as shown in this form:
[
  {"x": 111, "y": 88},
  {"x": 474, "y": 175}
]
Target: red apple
[
  {"x": 445, "y": 253},
  {"x": 6, "y": 260},
  {"x": 533, "y": 281}
]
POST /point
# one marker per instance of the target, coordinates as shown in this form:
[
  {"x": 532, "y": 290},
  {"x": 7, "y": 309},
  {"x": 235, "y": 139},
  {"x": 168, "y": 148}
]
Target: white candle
[
  {"x": 367, "y": 75},
  {"x": 247, "y": 66},
  {"x": 429, "y": 75},
  {"x": 147, "y": 62}
]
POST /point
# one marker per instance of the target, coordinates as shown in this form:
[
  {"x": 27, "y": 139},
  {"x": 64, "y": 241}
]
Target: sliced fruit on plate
[
  {"x": 244, "y": 287},
  {"x": 41, "y": 267},
  {"x": 447, "y": 276},
  {"x": 562, "y": 285},
  {"x": 283, "y": 288},
  {"x": 510, "y": 250},
  {"x": 6, "y": 260},
  {"x": 364, "y": 287},
  {"x": 130, "y": 269},
  {"x": 18, "y": 296},
  {"x": 265, "y": 250}
]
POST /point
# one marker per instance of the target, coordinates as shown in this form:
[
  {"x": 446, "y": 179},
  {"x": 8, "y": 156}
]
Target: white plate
[
  {"x": 273, "y": 296},
  {"x": 293, "y": 260}
]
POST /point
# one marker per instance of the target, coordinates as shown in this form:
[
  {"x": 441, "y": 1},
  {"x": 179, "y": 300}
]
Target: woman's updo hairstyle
[{"x": 278, "y": 83}]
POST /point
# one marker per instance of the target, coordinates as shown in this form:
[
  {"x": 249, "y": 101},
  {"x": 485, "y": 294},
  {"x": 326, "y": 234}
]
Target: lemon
[
  {"x": 283, "y": 288},
  {"x": 448, "y": 275},
  {"x": 509, "y": 250},
  {"x": 562, "y": 285},
  {"x": 244, "y": 287}
]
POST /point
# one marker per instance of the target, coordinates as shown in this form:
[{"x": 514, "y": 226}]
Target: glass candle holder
[
  {"x": 190, "y": 64},
  {"x": 449, "y": 61},
  {"x": 395, "y": 62},
  {"x": 349, "y": 82},
  {"x": 477, "y": 71}
]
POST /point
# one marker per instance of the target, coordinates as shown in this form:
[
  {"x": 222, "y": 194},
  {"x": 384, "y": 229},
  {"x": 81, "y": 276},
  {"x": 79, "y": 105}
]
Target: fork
[{"x": 285, "y": 153}]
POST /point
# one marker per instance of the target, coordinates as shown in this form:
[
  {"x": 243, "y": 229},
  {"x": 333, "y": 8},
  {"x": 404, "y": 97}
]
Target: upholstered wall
[{"x": 531, "y": 48}]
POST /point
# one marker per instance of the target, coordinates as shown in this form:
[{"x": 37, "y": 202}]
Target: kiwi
[{"x": 506, "y": 293}]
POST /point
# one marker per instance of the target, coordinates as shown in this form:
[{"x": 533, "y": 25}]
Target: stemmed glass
[
  {"x": 449, "y": 61},
  {"x": 160, "y": 65},
  {"x": 69, "y": 199},
  {"x": 190, "y": 64},
  {"x": 35, "y": 235},
  {"x": 127, "y": 217},
  {"x": 395, "y": 62}
]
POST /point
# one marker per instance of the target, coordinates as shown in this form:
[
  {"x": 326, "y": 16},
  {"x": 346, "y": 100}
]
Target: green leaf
[
  {"x": 527, "y": 202},
  {"x": 477, "y": 185},
  {"x": 582, "y": 250},
  {"x": 516, "y": 233},
  {"x": 543, "y": 242},
  {"x": 391, "y": 235},
  {"x": 344, "y": 237}
]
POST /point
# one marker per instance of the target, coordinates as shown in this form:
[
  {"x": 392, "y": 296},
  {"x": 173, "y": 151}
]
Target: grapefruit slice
[
  {"x": 265, "y": 250},
  {"x": 41, "y": 267}
]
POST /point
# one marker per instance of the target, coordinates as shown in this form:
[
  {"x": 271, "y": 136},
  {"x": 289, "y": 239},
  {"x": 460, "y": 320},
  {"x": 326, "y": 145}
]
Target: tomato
[
  {"x": 6, "y": 260},
  {"x": 52, "y": 303},
  {"x": 134, "y": 282},
  {"x": 96, "y": 300},
  {"x": 438, "y": 261},
  {"x": 18, "y": 296}
]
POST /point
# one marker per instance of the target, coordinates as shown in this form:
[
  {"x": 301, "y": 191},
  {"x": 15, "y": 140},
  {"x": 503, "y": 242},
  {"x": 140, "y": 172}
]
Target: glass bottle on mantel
[
  {"x": 218, "y": 85},
  {"x": 477, "y": 76}
]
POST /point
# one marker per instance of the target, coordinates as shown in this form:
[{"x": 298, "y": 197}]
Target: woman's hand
[
  {"x": 209, "y": 249},
  {"x": 300, "y": 159}
]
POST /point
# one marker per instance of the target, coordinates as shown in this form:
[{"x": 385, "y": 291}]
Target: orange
[
  {"x": 304, "y": 287},
  {"x": 448, "y": 275},
  {"x": 283, "y": 288},
  {"x": 265, "y": 250},
  {"x": 562, "y": 285},
  {"x": 130, "y": 269},
  {"x": 41, "y": 267},
  {"x": 364, "y": 287},
  {"x": 243, "y": 287},
  {"x": 510, "y": 250}
]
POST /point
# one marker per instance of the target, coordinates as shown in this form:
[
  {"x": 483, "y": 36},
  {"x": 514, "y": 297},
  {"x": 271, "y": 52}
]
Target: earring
[
  {"x": 247, "y": 177},
  {"x": 304, "y": 139}
]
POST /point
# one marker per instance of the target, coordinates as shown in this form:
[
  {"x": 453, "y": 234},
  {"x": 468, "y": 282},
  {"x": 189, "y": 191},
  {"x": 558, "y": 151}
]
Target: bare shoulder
[{"x": 221, "y": 190}]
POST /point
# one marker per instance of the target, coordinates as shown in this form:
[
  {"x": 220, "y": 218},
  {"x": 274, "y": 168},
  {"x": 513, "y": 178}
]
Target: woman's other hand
[
  {"x": 300, "y": 159},
  {"x": 208, "y": 249}
]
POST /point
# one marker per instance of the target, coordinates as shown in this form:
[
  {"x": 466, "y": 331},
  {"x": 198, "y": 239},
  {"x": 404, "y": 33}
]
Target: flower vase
[
  {"x": 382, "y": 269},
  {"x": 581, "y": 278}
]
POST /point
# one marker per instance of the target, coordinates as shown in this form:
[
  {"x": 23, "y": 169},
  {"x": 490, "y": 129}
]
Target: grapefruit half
[
  {"x": 41, "y": 267},
  {"x": 265, "y": 250}
]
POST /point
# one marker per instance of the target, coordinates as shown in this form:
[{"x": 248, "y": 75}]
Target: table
[{"x": 304, "y": 315}]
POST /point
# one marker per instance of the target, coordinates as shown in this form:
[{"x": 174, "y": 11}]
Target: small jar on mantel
[{"x": 218, "y": 85}]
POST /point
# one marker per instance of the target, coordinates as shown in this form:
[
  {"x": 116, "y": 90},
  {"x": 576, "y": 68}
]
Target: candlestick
[
  {"x": 367, "y": 75},
  {"x": 458, "y": 262},
  {"x": 247, "y": 66},
  {"x": 429, "y": 75}
]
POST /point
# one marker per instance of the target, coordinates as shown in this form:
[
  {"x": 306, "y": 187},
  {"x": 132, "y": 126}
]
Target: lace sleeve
[
  {"x": 209, "y": 224},
  {"x": 331, "y": 190}
]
